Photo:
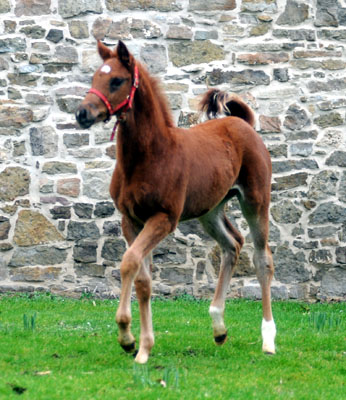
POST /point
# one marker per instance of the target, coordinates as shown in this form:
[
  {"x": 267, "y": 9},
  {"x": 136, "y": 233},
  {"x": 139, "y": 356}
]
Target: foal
[{"x": 165, "y": 174}]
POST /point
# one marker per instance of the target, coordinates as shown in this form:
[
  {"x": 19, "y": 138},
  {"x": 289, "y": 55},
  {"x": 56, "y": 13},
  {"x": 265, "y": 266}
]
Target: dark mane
[{"x": 150, "y": 87}]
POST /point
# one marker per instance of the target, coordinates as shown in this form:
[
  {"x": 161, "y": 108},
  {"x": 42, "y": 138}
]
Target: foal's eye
[{"x": 115, "y": 83}]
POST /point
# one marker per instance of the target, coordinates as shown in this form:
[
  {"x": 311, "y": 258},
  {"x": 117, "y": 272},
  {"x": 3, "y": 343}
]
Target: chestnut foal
[{"x": 165, "y": 174}]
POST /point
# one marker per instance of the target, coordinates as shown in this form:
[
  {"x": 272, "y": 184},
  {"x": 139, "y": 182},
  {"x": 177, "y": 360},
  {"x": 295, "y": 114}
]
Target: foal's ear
[
  {"x": 123, "y": 54},
  {"x": 104, "y": 51}
]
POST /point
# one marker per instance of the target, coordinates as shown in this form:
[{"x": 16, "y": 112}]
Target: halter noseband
[{"x": 126, "y": 104}]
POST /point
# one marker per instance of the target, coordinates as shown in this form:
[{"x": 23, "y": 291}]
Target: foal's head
[{"x": 111, "y": 83}]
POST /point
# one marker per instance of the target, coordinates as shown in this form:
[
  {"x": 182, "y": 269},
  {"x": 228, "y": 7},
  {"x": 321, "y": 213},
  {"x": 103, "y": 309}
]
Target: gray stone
[
  {"x": 296, "y": 118},
  {"x": 34, "y": 274},
  {"x": 290, "y": 181},
  {"x": 55, "y": 35},
  {"x": 295, "y": 34},
  {"x": 252, "y": 292},
  {"x": 156, "y": 5},
  {"x": 341, "y": 255},
  {"x": 326, "y": 13},
  {"x": 328, "y": 120},
  {"x": 34, "y": 32},
  {"x": 5, "y": 227},
  {"x": 301, "y": 149},
  {"x": 65, "y": 55},
  {"x": 44, "y": 141},
  {"x": 32, "y": 7},
  {"x": 12, "y": 45},
  {"x": 291, "y": 165},
  {"x": 14, "y": 182},
  {"x": 59, "y": 167},
  {"x": 323, "y": 185},
  {"x": 113, "y": 249},
  {"x": 268, "y": 6},
  {"x": 76, "y": 140},
  {"x": 83, "y": 210},
  {"x": 337, "y": 158},
  {"x": 322, "y": 232},
  {"x": 328, "y": 212},
  {"x": 206, "y": 35},
  {"x": 332, "y": 34},
  {"x": 290, "y": 266},
  {"x": 68, "y": 104},
  {"x": 301, "y": 135},
  {"x": 82, "y": 230},
  {"x": 89, "y": 269},
  {"x": 294, "y": 14},
  {"x": 96, "y": 184},
  {"x": 334, "y": 283},
  {"x": 321, "y": 257},
  {"x": 85, "y": 251},
  {"x": 78, "y": 29},
  {"x": 104, "y": 209},
  {"x": 179, "y": 32},
  {"x": 38, "y": 255},
  {"x": 169, "y": 252},
  {"x": 15, "y": 117},
  {"x": 327, "y": 86},
  {"x": 281, "y": 74},
  {"x": 70, "y": 8},
  {"x": 206, "y": 5},
  {"x": 197, "y": 52},
  {"x": 177, "y": 275},
  {"x": 342, "y": 189},
  {"x": 5, "y": 6},
  {"x": 61, "y": 212},
  {"x": 245, "y": 77},
  {"x": 305, "y": 245},
  {"x": 129, "y": 28},
  {"x": 154, "y": 56},
  {"x": 285, "y": 212},
  {"x": 29, "y": 80},
  {"x": 112, "y": 228}
]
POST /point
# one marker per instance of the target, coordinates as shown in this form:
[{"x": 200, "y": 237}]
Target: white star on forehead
[{"x": 106, "y": 69}]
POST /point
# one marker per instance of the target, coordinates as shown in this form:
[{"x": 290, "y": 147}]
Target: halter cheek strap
[{"x": 126, "y": 104}]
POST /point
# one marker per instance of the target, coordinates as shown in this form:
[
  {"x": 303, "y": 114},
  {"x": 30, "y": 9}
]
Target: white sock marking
[{"x": 268, "y": 336}]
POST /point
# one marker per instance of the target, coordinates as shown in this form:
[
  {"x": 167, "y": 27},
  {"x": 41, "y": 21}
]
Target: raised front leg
[{"x": 132, "y": 267}]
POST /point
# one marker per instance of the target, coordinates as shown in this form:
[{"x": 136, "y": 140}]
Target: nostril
[{"x": 81, "y": 115}]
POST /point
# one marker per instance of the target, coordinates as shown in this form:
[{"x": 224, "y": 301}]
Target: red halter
[{"x": 126, "y": 104}]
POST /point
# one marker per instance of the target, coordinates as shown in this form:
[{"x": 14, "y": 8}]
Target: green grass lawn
[{"x": 56, "y": 348}]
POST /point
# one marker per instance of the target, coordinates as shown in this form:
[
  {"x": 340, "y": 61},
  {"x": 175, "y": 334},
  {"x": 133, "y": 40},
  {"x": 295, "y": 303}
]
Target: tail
[{"x": 215, "y": 103}]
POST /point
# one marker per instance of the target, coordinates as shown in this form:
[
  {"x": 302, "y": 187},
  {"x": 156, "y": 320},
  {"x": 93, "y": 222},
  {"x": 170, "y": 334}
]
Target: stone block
[
  {"x": 14, "y": 182},
  {"x": 82, "y": 230},
  {"x": 113, "y": 249},
  {"x": 33, "y": 228},
  {"x": 197, "y": 52},
  {"x": 38, "y": 255},
  {"x": 32, "y": 7}
]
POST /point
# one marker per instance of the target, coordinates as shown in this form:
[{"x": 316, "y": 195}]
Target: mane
[{"x": 150, "y": 86}]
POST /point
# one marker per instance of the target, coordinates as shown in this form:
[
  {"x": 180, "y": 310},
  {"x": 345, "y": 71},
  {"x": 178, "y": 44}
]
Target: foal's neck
[{"x": 146, "y": 131}]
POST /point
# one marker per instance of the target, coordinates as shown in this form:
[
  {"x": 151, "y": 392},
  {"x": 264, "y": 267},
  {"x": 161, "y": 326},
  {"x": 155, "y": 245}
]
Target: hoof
[
  {"x": 129, "y": 348},
  {"x": 220, "y": 340}
]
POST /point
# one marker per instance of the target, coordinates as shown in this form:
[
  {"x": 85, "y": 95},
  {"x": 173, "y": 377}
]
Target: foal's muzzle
[{"x": 84, "y": 117}]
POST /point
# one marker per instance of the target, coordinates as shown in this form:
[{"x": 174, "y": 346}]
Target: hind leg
[
  {"x": 258, "y": 220},
  {"x": 217, "y": 225}
]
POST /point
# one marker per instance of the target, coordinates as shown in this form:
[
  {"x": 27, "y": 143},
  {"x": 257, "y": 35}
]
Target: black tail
[{"x": 215, "y": 103}]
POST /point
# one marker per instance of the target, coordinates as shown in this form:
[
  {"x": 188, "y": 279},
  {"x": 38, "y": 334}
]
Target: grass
[{"x": 56, "y": 348}]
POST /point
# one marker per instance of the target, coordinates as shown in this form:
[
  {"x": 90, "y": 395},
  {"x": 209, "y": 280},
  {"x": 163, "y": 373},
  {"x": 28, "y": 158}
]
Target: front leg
[{"x": 155, "y": 229}]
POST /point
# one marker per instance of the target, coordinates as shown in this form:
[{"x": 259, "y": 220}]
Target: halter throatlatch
[{"x": 126, "y": 104}]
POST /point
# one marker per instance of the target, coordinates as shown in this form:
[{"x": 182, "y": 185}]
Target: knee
[{"x": 130, "y": 264}]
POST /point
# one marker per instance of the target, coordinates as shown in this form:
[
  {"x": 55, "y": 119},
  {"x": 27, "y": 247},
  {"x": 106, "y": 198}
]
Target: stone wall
[{"x": 58, "y": 228}]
